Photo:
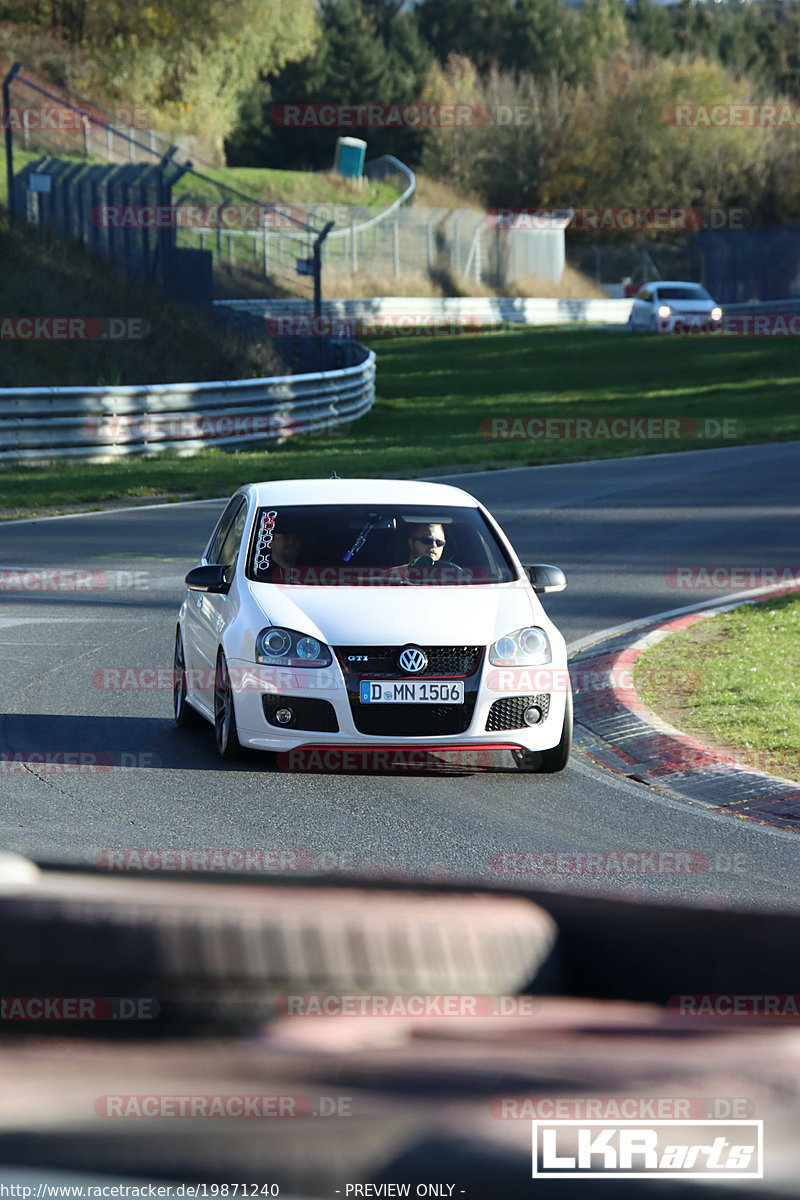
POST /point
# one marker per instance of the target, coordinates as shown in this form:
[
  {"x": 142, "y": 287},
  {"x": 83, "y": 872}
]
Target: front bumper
[
  {"x": 492, "y": 699},
  {"x": 688, "y": 323}
]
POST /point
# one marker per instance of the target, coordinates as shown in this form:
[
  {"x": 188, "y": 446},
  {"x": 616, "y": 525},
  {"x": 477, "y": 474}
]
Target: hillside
[{"x": 47, "y": 277}]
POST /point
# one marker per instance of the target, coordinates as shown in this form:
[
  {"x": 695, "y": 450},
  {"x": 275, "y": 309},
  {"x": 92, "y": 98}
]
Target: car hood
[
  {"x": 699, "y": 306},
  {"x": 443, "y": 616}
]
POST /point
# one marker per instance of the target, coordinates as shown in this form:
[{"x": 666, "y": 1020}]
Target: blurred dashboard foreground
[{"x": 334, "y": 1037}]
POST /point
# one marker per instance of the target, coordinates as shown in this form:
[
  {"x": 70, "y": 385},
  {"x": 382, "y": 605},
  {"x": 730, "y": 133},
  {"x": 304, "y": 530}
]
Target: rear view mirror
[
  {"x": 209, "y": 578},
  {"x": 545, "y": 578}
]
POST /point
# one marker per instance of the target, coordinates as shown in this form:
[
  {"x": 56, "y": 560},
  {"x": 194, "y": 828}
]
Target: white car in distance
[
  {"x": 666, "y": 307},
  {"x": 368, "y": 613}
]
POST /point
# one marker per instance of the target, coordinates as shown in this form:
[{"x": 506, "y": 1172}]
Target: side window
[
  {"x": 230, "y": 546},
  {"x": 223, "y": 529},
  {"x": 646, "y": 295}
]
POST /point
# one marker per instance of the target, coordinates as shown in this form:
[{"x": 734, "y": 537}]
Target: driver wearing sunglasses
[
  {"x": 426, "y": 544},
  {"x": 426, "y": 541}
]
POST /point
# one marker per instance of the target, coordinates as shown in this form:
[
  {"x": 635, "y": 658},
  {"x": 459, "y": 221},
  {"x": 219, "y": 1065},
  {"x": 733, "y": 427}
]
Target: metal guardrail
[
  {"x": 480, "y": 310},
  {"x": 97, "y": 424},
  {"x": 486, "y": 310},
  {"x": 764, "y": 306}
]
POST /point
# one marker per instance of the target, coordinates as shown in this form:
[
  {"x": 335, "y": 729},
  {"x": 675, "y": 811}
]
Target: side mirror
[
  {"x": 545, "y": 578},
  {"x": 209, "y": 578}
]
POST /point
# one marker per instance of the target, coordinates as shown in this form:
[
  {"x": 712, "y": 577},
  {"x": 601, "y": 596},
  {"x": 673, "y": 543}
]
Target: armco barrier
[
  {"x": 486, "y": 309},
  {"x": 101, "y": 423},
  {"x": 480, "y": 309}
]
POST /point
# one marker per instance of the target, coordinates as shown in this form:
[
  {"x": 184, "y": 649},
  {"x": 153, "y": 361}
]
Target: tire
[
  {"x": 186, "y": 717},
  {"x": 549, "y": 762},
  {"x": 225, "y": 732}
]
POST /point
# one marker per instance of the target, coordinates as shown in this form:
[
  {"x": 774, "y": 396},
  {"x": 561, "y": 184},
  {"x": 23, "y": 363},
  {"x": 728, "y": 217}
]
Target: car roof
[
  {"x": 659, "y": 283},
  {"x": 358, "y": 491}
]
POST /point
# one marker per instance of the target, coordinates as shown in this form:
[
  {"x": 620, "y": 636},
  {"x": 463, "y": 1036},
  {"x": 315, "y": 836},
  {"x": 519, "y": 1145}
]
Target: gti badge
[{"x": 412, "y": 660}]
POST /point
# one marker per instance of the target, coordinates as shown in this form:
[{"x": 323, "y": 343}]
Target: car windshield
[
  {"x": 683, "y": 293},
  {"x": 377, "y": 545}
]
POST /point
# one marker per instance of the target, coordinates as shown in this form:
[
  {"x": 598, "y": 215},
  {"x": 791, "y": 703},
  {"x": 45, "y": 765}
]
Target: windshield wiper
[{"x": 362, "y": 537}]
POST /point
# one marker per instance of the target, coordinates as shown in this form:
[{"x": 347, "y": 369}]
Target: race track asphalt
[{"x": 617, "y": 527}]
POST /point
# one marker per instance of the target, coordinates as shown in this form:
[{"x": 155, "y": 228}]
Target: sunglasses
[{"x": 429, "y": 541}]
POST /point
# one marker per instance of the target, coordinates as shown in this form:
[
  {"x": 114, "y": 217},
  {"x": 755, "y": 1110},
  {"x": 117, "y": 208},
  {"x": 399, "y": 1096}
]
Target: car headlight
[
  {"x": 526, "y": 648},
  {"x": 663, "y": 311},
  {"x": 716, "y": 314},
  {"x": 277, "y": 647}
]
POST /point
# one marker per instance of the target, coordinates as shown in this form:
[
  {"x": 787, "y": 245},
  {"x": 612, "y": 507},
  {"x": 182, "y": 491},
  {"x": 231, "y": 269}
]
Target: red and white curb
[{"x": 617, "y": 729}]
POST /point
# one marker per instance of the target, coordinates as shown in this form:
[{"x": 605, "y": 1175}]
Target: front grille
[
  {"x": 507, "y": 713},
  {"x": 381, "y": 661},
  {"x": 413, "y": 720},
  {"x": 309, "y": 713}
]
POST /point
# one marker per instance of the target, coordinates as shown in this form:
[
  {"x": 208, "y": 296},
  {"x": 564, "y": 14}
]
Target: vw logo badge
[{"x": 412, "y": 660}]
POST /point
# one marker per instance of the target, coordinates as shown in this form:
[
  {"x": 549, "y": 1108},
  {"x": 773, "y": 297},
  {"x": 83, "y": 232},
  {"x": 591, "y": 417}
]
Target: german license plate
[{"x": 412, "y": 691}]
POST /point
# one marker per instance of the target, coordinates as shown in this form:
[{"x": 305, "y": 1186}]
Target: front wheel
[
  {"x": 227, "y": 738},
  {"x": 549, "y": 762}
]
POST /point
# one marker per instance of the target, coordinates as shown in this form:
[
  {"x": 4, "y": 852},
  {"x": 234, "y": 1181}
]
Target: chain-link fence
[
  {"x": 135, "y": 202},
  {"x": 736, "y": 266}
]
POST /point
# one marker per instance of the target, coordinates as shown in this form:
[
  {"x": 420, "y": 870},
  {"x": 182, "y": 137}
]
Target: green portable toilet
[{"x": 349, "y": 159}]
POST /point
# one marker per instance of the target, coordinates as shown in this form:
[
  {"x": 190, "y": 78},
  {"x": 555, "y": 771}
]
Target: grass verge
[
  {"x": 742, "y": 694},
  {"x": 433, "y": 395}
]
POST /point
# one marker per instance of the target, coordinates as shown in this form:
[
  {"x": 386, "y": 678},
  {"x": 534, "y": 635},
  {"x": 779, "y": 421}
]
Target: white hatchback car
[
  {"x": 665, "y": 307},
  {"x": 368, "y": 613}
]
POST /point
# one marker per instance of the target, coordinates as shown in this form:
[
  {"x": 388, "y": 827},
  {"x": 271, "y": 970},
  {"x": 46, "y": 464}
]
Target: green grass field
[
  {"x": 284, "y": 187},
  {"x": 434, "y": 393},
  {"x": 742, "y": 691}
]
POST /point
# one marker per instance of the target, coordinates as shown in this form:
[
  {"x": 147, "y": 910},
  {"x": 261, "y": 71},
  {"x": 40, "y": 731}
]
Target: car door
[{"x": 206, "y": 613}]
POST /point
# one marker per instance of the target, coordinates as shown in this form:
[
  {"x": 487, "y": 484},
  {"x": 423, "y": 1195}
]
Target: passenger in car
[{"x": 286, "y": 546}]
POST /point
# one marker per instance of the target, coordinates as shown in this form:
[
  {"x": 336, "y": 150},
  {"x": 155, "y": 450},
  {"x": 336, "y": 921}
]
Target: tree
[
  {"x": 650, "y": 26},
  {"x": 601, "y": 31},
  {"x": 352, "y": 65},
  {"x": 543, "y": 38}
]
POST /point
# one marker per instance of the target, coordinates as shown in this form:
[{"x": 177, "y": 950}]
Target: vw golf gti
[{"x": 367, "y": 613}]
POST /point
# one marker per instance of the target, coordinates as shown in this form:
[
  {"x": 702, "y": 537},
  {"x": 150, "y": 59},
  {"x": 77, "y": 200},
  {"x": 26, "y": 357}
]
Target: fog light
[
  {"x": 284, "y": 716},
  {"x": 532, "y": 715}
]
